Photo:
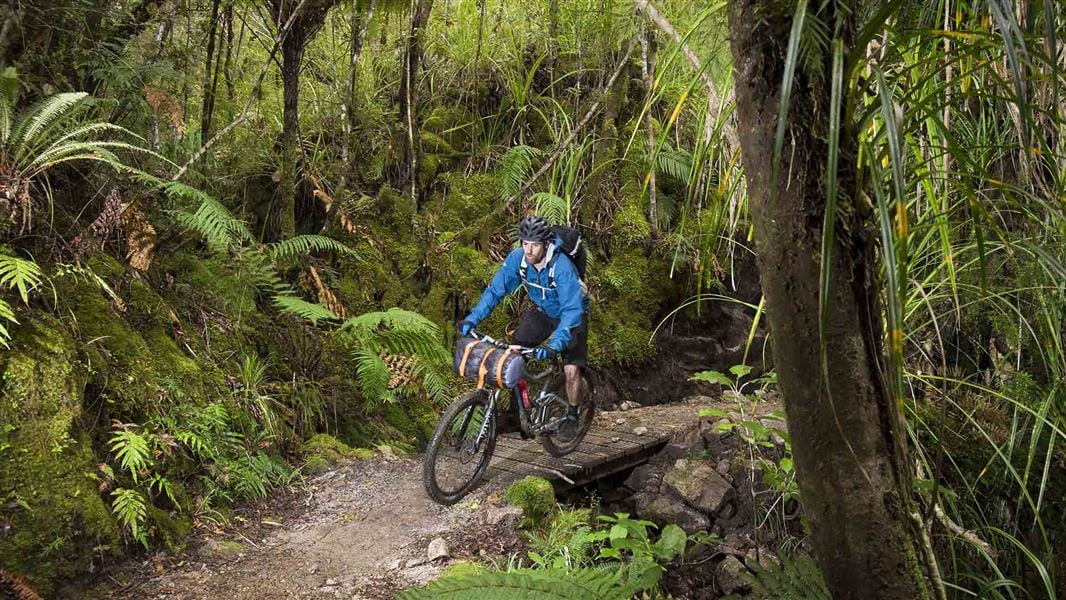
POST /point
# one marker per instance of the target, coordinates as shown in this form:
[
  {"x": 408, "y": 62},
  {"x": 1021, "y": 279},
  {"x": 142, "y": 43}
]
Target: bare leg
[{"x": 573, "y": 384}]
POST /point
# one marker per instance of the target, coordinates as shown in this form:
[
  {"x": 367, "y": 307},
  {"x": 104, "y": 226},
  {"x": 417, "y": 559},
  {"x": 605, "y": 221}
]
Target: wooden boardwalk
[{"x": 603, "y": 452}]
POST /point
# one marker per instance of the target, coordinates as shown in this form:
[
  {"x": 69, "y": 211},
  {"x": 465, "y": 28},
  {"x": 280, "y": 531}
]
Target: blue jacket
[{"x": 565, "y": 302}]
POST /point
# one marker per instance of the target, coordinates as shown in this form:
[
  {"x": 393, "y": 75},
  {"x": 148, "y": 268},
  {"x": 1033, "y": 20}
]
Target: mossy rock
[
  {"x": 413, "y": 419},
  {"x": 60, "y": 525},
  {"x": 467, "y": 199},
  {"x": 535, "y": 496},
  {"x": 323, "y": 450}
]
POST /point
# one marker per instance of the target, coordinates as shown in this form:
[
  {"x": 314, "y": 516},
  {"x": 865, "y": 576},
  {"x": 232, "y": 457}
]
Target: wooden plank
[{"x": 542, "y": 460}]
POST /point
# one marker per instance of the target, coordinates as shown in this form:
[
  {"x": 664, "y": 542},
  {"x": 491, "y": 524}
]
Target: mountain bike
[{"x": 463, "y": 442}]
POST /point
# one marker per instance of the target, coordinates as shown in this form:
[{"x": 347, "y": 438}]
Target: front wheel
[
  {"x": 461, "y": 448},
  {"x": 562, "y": 442}
]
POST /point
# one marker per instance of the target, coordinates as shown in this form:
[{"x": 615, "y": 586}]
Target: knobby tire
[{"x": 454, "y": 415}]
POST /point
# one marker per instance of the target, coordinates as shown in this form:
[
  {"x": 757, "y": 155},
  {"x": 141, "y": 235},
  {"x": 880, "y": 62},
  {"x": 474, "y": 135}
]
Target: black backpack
[{"x": 572, "y": 247}]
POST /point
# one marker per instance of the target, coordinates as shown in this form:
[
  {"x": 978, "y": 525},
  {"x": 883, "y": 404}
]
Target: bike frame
[{"x": 533, "y": 420}]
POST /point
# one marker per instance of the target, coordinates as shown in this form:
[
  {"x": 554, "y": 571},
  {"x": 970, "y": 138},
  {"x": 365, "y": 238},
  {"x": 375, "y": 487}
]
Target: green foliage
[
  {"x": 792, "y": 578},
  {"x": 515, "y": 167},
  {"x": 553, "y": 208},
  {"x": 19, "y": 274},
  {"x": 588, "y": 584},
  {"x": 129, "y": 507},
  {"x": 131, "y": 451},
  {"x": 311, "y": 311},
  {"x": 305, "y": 244},
  {"x": 535, "y": 496}
]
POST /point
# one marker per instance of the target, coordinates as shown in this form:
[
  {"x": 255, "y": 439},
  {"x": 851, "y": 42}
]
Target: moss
[
  {"x": 621, "y": 323},
  {"x": 47, "y": 464},
  {"x": 323, "y": 449},
  {"x": 461, "y": 568},
  {"x": 535, "y": 496},
  {"x": 412, "y": 418},
  {"x": 468, "y": 198}
]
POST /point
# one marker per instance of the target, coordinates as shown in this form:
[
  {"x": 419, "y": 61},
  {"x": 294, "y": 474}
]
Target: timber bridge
[{"x": 603, "y": 452}]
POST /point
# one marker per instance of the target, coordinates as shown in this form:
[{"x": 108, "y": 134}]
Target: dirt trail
[{"x": 360, "y": 531}]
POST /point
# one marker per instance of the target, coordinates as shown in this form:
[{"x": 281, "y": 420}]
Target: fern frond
[
  {"x": 373, "y": 375},
  {"x": 6, "y": 314},
  {"x": 675, "y": 163},
  {"x": 5, "y": 120},
  {"x": 515, "y": 167},
  {"x": 546, "y": 584},
  {"x": 212, "y": 220},
  {"x": 304, "y": 244},
  {"x": 393, "y": 318},
  {"x": 435, "y": 381},
  {"x": 411, "y": 342},
  {"x": 552, "y": 207},
  {"x": 44, "y": 112},
  {"x": 254, "y": 268},
  {"x": 20, "y": 274},
  {"x": 71, "y": 151},
  {"x": 312, "y": 311},
  {"x": 130, "y": 508},
  {"x": 131, "y": 451}
]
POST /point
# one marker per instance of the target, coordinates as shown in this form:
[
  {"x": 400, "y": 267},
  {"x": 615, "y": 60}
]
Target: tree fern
[
  {"x": 212, "y": 220},
  {"x": 547, "y": 584},
  {"x": 394, "y": 318},
  {"x": 312, "y": 311},
  {"x": 373, "y": 374},
  {"x": 515, "y": 167},
  {"x": 793, "y": 578},
  {"x": 552, "y": 207},
  {"x": 304, "y": 244}
]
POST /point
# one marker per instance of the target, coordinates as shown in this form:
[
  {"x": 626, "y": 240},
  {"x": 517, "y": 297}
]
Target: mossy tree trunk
[
  {"x": 848, "y": 438},
  {"x": 304, "y": 26},
  {"x": 420, "y": 10}
]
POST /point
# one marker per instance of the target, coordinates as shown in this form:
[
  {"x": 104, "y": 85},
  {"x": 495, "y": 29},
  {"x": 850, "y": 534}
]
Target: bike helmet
[{"x": 535, "y": 229}]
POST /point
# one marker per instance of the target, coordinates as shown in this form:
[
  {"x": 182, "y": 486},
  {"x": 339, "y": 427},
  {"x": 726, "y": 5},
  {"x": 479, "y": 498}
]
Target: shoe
[{"x": 568, "y": 428}]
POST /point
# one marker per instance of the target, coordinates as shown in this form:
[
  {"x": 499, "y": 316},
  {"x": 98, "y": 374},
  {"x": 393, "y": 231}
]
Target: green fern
[
  {"x": 6, "y": 314},
  {"x": 547, "y": 584},
  {"x": 552, "y": 207},
  {"x": 515, "y": 167},
  {"x": 304, "y": 244},
  {"x": 130, "y": 508},
  {"x": 215, "y": 223},
  {"x": 793, "y": 578},
  {"x": 49, "y": 133},
  {"x": 131, "y": 450},
  {"x": 373, "y": 374},
  {"x": 675, "y": 163},
  {"x": 20, "y": 274},
  {"x": 312, "y": 311}
]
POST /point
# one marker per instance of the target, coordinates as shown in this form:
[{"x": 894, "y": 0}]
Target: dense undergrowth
[{"x": 178, "y": 338}]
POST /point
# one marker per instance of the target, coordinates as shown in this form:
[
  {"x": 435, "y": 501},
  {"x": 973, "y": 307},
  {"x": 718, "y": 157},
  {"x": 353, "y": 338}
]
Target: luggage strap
[
  {"x": 484, "y": 368},
  {"x": 499, "y": 368},
  {"x": 466, "y": 355}
]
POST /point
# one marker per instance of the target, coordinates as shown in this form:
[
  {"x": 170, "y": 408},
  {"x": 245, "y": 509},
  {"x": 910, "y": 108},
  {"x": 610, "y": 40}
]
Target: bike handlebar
[{"x": 525, "y": 351}]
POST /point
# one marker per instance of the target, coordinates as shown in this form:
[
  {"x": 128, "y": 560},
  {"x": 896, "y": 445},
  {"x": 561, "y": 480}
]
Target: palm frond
[
  {"x": 304, "y": 244},
  {"x": 311, "y": 311}
]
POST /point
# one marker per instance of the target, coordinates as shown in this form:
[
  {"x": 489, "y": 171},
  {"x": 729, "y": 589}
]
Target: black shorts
[{"x": 536, "y": 327}]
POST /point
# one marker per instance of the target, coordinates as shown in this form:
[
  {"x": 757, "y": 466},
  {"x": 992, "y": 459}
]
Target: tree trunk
[
  {"x": 209, "y": 80},
  {"x": 408, "y": 92},
  {"x": 292, "y": 51},
  {"x": 848, "y": 440},
  {"x": 647, "y": 43}
]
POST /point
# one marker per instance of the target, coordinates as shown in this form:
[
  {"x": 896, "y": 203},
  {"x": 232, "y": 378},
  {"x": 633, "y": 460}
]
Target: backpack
[{"x": 572, "y": 247}]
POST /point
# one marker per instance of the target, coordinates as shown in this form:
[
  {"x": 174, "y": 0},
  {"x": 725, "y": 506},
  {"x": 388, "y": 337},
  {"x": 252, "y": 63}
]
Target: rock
[
  {"x": 414, "y": 562},
  {"x": 640, "y": 430},
  {"x": 675, "y": 450},
  {"x": 730, "y": 576},
  {"x": 665, "y": 508},
  {"x": 331, "y": 582},
  {"x": 700, "y": 485},
  {"x": 646, "y": 477},
  {"x": 221, "y": 549},
  {"x": 616, "y": 439},
  {"x": 629, "y": 405},
  {"x": 395, "y": 565},
  {"x": 505, "y": 518},
  {"x": 722, "y": 468},
  {"x": 619, "y": 421},
  {"x": 438, "y": 548}
]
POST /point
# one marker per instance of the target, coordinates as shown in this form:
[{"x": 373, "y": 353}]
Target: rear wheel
[
  {"x": 565, "y": 440},
  {"x": 461, "y": 448}
]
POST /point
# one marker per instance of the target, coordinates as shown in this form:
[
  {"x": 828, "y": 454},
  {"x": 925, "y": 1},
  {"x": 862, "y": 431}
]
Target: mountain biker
[{"x": 560, "y": 312}]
